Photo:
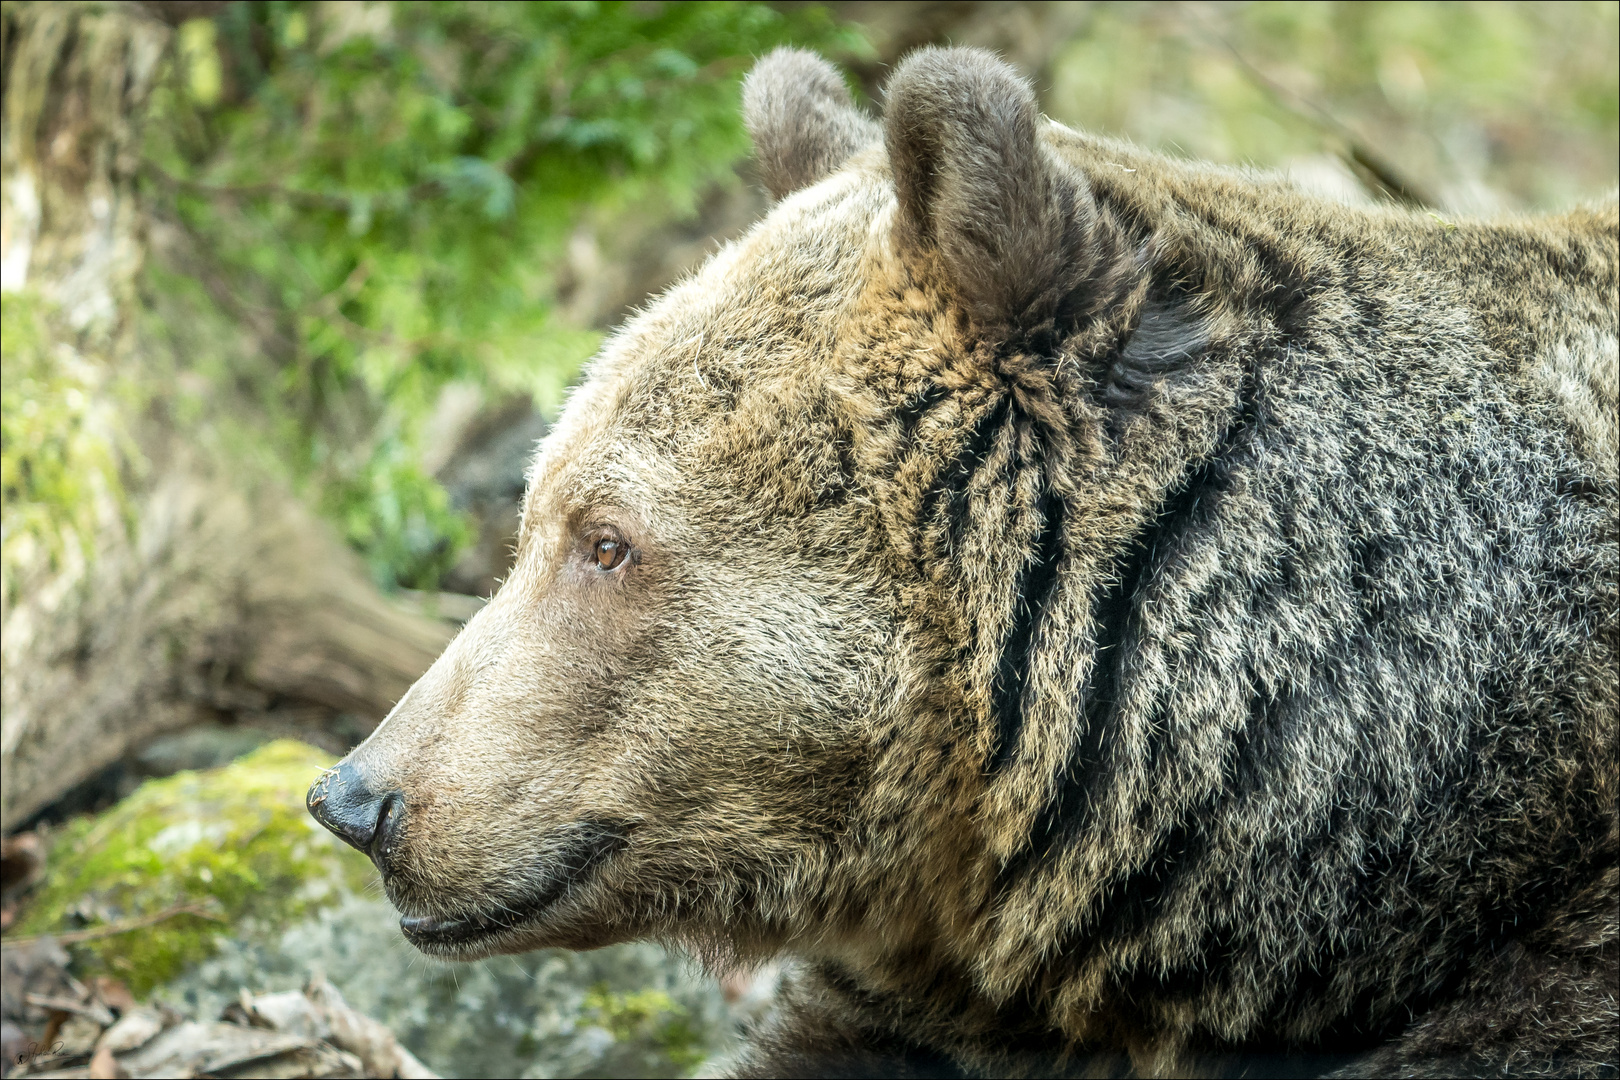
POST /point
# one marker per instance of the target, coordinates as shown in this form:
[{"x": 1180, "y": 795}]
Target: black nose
[{"x": 346, "y": 803}]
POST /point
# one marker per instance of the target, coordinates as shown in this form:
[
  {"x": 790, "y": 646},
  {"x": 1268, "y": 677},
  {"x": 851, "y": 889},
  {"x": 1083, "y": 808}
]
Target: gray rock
[{"x": 629, "y": 1010}]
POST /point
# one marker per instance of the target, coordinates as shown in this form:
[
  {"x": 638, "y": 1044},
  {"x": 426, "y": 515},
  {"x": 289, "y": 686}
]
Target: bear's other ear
[
  {"x": 975, "y": 183},
  {"x": 802, "y": 120}
]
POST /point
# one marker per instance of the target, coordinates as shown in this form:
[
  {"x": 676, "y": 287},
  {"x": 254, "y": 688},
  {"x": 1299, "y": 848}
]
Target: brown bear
[{"x": 1093, "y": 614}]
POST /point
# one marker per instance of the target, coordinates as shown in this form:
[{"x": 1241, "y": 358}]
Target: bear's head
[{"x": 776, "y": 665}]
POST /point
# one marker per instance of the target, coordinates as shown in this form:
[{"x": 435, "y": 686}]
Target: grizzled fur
[{"x": 1097, "y": 614}]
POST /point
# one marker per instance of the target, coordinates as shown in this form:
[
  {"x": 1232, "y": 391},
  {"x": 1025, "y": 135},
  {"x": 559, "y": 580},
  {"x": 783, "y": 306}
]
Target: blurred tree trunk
[{"x": 208, "y": 589}]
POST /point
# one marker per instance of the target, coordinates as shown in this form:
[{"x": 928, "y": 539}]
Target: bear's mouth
[{"x": 571, "y": 856}]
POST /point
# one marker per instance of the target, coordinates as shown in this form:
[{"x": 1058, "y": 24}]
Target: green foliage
[
  {"x": 235, "y": 841},
  {"x": 381, "y": 188},
  {"x": 1479, "y": 102},
  {"x": 60, "y": 447}
]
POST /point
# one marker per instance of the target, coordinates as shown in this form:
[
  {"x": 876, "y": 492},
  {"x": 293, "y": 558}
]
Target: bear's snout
[{"x": 346, "y": 802}]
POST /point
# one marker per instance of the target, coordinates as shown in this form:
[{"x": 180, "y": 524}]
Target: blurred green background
[{"x": 386, "y": 195}]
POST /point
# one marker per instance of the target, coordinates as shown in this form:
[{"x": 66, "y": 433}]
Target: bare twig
[
  {"x": 122, "y": 926},
  {"x": 54, "y": 1003},
  {"x": 1371, "y": 167},
  {"x": 270, "y": 190}
]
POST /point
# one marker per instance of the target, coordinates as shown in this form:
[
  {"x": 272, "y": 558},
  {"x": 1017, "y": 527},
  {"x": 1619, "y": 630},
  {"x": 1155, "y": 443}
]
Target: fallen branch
[
  {"x": 1371, "y": 167},
  {"x": 92, "y": 1009},
  {"x": 122, "y": 926}
]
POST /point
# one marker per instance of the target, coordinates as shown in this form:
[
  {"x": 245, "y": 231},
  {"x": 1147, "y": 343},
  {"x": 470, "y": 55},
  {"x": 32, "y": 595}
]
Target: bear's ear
[
  {"x": 802, "y": 120},
  {"x": 974, "y": 183}
]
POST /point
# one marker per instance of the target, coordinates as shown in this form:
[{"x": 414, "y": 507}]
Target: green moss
[
  {"x": 649, "y": 1016},
  {"x": 235, "y": 840}
]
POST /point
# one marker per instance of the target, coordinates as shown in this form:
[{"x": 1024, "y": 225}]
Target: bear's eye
[{"x": 610, "y": 552}]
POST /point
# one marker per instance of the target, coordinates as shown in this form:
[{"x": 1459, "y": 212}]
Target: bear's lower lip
[
  {"x": 573, "y": 854},
  {"x": 425, "y": 930}
]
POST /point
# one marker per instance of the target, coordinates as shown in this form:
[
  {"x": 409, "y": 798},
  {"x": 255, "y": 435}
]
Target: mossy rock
[
  {"x": 290, "y": 898},
  {"x": 234, "y": 841}
]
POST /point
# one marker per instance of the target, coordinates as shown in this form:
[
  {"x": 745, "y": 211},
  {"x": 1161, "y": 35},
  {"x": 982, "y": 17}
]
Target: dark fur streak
[
  {"x": 1166, "y": 337},
  {"x": 1114, "y": 602},
  {"x": 911, "y": 414},
  {"x": 954, "y": 478},
  {"x": 1037, "y": 581}
]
